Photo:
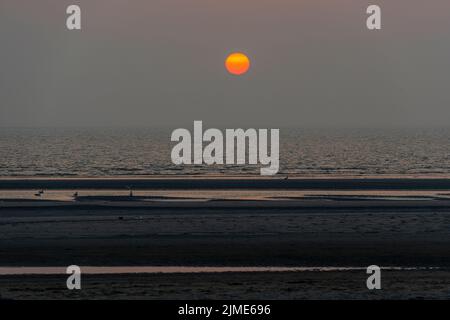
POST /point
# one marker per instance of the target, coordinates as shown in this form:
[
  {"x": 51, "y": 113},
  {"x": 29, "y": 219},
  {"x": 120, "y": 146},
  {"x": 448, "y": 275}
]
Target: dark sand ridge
[
  {"x": 309, "y": 204},
  {"x": 171, "y": 183}
]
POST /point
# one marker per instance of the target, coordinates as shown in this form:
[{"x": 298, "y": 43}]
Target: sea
[{"x": 56, "y": 152}]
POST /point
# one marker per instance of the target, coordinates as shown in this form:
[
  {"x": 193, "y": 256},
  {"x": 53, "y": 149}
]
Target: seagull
[{"x": 39, "y": 193}]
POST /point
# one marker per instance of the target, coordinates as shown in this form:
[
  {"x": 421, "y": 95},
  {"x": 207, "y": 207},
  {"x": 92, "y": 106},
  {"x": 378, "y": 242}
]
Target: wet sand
[
  {"x": 230, "y": 182},
  {"x": 92, "y": 235}
]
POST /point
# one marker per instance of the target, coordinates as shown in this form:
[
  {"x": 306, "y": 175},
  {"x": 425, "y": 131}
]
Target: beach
[
  {"x": 260, "y": 150},
  {"x": 406, "y": 228}
]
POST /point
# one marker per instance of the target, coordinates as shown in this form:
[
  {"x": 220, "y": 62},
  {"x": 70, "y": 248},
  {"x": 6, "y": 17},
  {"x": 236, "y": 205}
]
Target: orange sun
[{"x": 237, "y": 63}]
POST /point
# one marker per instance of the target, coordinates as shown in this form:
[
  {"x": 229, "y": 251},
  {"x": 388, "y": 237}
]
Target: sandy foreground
[
  {"x": 296, "y": 228},
  {"x": 284, "y": 285}
]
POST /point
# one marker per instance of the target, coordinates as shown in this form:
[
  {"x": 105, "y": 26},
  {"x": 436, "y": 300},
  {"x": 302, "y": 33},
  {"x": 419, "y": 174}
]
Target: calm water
[
  {"x": 6, "y": 271},
  {"x": 100, "y": 152}
]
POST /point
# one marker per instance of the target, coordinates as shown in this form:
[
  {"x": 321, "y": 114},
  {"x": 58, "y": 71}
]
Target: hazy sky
[{"x": 161, "y": 63}]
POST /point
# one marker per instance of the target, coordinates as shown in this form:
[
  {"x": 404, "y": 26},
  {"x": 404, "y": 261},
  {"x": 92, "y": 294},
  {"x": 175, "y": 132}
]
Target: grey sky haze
[{"x": 160, "y": 63}]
